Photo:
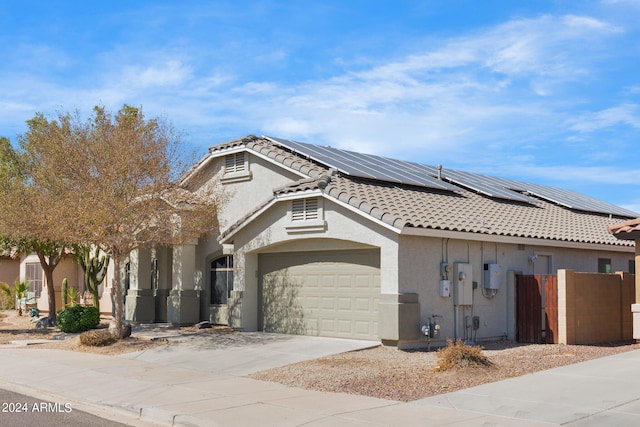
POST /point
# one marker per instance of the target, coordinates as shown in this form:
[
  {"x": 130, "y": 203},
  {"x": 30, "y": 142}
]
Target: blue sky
[{"x": 540, "y": 91}]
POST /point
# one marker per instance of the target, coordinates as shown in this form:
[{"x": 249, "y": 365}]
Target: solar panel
[
  {"x": 366, "y": 165},
  {"x": 404, "y": 172},
  {"x": 572, "y": 199},
  {"x": 486, "y": 185}
]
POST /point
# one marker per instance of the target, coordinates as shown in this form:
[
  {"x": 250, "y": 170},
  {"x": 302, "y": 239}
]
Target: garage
[{"x": 328, "y": 293}]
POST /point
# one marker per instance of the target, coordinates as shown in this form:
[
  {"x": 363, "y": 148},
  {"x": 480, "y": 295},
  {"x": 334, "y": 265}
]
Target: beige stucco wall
[
  {"x": 9, "y": 270},
  {"x": 67, "y": 268},
  {"x": 344, "y": 230},
  {"x": 419, "y": 272},
  {"x": 242, "y": 197}
]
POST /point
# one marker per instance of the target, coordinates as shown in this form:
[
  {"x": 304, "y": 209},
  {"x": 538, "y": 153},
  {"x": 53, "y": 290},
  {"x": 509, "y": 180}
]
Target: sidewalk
[{"x": 183, "y": 392}]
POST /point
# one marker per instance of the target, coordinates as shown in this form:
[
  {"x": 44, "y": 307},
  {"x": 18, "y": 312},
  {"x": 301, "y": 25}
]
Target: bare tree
[
  {"x": 112, "y": 180},
  {"x": 28, "y": 223}
]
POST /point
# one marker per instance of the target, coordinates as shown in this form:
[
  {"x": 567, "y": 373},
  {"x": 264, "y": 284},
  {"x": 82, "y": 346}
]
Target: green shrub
[
  {"x": 78, "y": 318},
  {"x": 97, "y": 338},
  {"x": 459, "y": 355}
]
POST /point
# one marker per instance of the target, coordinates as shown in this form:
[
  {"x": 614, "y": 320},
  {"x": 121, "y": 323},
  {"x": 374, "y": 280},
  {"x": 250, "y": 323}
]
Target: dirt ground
[
  {"x": 19, "y": 328},
  {"x": 382, "y": 372}
]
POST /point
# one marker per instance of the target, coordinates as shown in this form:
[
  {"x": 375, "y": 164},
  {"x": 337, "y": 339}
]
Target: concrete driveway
[{"x": 237, "y": 353}]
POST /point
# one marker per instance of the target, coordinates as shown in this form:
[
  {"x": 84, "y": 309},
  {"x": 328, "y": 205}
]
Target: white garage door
[{"x": 331, "y": 294}]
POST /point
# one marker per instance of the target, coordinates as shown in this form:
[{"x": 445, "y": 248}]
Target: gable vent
[
  {"x": 305, "y": 209},
  {"x": 234, "y": 162}
]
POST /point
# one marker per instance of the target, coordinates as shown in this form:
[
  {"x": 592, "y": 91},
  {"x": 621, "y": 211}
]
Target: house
[{"x": 322, "y": 241}]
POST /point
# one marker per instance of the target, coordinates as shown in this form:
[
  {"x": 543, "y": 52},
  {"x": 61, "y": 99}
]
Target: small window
[
  {"x": 221, "y": 279},
  {"x": 604, "y": 265},
  {"x": 34, "y": 276},
  {"x": 236, "y": 167},
  {"x": 632, "y": 266}
]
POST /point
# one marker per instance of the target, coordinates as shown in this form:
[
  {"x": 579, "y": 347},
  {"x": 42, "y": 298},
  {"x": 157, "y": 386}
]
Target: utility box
[
  {"x": 462, "y": 283},
  {"x": 445, "y": 288},
  {"x": 492, "y": 276}
]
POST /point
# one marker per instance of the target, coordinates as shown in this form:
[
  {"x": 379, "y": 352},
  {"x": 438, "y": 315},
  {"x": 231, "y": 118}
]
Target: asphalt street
[{"x": 18, "y": 410}]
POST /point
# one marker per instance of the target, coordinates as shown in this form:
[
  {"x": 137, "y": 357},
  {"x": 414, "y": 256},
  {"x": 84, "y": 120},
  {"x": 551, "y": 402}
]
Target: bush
[
  {"x": 97, "y": 338},
  {"x": 459, "y": 355},
  {"x": 78, "y": 318}
]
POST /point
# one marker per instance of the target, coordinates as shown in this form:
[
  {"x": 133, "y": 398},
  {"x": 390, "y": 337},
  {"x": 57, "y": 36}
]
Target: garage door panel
[
  {"x": 337, "y": 292},
  {"x": 329, "y": 303},
  {"x": 312, "y": 302},
  {"x": 345, "y": 326},
  {"x": 363, "y": 304},
  {"x": 327, "y": 325},
  {"x": 344, "y": 304}
]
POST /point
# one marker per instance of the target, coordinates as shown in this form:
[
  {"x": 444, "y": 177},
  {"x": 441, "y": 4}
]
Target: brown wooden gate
[{"x": 537, "y": 309}]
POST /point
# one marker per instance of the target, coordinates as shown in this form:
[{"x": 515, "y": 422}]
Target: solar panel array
[
  {"x": 369, "y": 166},
  {"x": 570, "y": 199},
  {"x": 403, "y": 172}
]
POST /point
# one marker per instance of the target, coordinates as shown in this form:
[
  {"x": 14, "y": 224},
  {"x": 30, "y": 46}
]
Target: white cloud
[
  {"x": 469, "y": 90},
  {"x": 627, "y": 114},
  {"x": 169, "y": 73}
]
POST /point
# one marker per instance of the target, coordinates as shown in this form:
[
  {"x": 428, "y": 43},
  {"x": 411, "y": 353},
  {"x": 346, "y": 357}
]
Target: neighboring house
[
  {"x": 320, "y": 241},
  {"x": 9, "y": 269},
  {"x": 28, "y": 268}
]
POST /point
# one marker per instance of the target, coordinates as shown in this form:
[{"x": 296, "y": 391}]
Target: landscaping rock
[
  {"x": 45, "y": 322},
  {"x": 203, "y": 325}
]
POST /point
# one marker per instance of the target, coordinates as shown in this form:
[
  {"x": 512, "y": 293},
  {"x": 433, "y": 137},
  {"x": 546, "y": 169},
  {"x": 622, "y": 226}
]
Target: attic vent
[
  {"x": 235, "y": 163},
  {"x": 236, "y": 168},
  {"x": 305, "y": 209},
  {"x": 307, "y": 216}
]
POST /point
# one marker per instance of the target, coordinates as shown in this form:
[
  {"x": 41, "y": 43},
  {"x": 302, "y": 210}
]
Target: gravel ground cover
[{"x": 393, "y": 374}]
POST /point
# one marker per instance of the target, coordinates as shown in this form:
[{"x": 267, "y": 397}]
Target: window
[
  {"x": 34, "y": 277},
  {"x": 632, "y": 266},
  {"x": 221, "y": 279},
  {"x": 604, "y": 265},
  {"x": 236, "y": 167}
]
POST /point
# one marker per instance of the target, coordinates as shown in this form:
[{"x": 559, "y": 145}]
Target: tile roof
[
  {"x": 269, "y": 149},
  {"x": 461, "y": 210},
  {"x": 627, "y": 230},
  {"x": 467, "y": 211}
]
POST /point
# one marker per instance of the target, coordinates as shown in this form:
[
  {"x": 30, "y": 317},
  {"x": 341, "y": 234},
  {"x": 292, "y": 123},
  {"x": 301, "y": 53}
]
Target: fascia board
[
  {"x": 223, "y": 152},
  {"x": 299, "y": 195},
  {"x": 460, "y": 235},
  {"x": 248, "y": 220},
  {"x": 198, "y": 166}
]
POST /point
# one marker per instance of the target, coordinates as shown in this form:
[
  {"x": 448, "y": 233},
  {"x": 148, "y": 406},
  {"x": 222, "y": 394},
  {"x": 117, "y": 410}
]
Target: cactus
[
  {"x": 94, "y": 266},
  {"x": 64, "y": 292},
  {"x": 73, "y": 297}
]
